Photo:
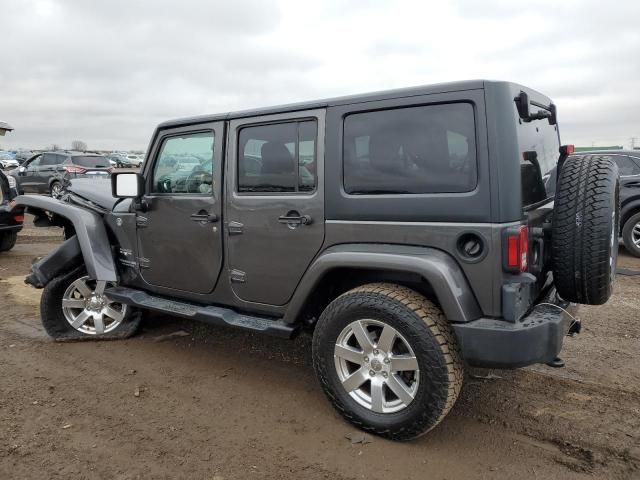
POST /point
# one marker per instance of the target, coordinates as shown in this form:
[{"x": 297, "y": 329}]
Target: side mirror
[
  {"x": 22, "y": 169},
  {"x": 127, "y": 185}
]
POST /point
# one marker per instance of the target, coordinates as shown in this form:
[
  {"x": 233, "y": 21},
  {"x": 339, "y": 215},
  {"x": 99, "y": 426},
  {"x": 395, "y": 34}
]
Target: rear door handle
[{"x": 204, "y": 217}]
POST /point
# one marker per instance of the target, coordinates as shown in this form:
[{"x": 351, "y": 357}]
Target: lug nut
[
  {"x": 384, "y": 374},
  {"x": 375, "y": 352},
  {"x": 372, "y": 373},
  {"x": 366, "y": 359},
  {"x": 386, "y": 360}
]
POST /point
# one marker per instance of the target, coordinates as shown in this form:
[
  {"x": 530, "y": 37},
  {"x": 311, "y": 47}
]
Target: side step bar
[{"x": 207, "y": 314}]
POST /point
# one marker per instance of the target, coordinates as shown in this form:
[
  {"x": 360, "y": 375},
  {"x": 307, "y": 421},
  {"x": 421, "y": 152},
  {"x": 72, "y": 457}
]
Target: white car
[{"x": 7, "y": 161}]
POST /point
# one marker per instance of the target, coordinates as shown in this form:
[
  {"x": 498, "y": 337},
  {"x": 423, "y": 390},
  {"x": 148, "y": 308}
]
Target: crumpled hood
[{"x": 96, "y": 190}]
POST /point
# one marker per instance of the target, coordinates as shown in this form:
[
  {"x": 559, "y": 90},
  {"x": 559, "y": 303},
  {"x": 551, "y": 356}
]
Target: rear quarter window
[{"x": 414, "y": 150}]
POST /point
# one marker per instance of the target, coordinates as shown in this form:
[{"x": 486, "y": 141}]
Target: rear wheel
[
  {"x": 8, "y": 240},
  {"x": 75, "y": 307},
  {"x": 585, "y": 229},
  {"x": 631, "y": 235},
  {"x": 387, "y": 360}
]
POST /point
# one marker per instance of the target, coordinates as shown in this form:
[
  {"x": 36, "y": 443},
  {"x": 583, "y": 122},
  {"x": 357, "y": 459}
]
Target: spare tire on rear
[{"x": 585, "y": 229}]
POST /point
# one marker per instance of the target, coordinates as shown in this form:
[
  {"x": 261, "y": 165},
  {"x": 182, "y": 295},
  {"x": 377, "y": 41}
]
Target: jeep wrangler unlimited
[{"x": 412, "y": 231}]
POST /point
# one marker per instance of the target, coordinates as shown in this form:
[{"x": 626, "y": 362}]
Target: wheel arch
[
  {"x": 431, "y": 272},
  {"x": 628, "y": 209},
  {"x": 90, "y": 232}
]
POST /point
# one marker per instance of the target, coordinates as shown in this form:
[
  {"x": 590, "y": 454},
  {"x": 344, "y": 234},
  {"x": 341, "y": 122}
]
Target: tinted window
[
  {"x": 91, "y": 161},
  {"x": 428, "y": 149},
  {"x": 540, "y": 151},
  {"x": 48, "y": 159},
  {"x": 626, "y": 166},
  {"x": 277, "y": 158},
  {"x": 185, "y": 165}
]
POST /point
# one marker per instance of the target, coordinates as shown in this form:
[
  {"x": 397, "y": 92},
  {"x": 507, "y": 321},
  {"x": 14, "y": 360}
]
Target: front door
[
  {"x": 30, "y": 177},
  {"x": 275, "y": 203},
  {"x": 179, "y": 222}
]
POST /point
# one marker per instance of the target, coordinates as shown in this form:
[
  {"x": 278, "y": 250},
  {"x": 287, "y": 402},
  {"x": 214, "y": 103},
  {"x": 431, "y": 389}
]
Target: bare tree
[
  {"x": 79, "y": 146},
  {"x": 55, "y": 146}
]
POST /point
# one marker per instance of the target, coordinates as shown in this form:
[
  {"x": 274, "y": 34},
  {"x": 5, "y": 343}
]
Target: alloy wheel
[
  {"x": 376, "y": 366},
  {"x": 89, "y": 310}
]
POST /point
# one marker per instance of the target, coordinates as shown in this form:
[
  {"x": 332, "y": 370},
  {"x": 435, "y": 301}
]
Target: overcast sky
[{"x": 106, "y": 72}]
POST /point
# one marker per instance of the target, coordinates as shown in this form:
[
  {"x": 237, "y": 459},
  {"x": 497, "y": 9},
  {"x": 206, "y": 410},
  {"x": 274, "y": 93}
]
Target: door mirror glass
[{"x": 127, "y": 185}]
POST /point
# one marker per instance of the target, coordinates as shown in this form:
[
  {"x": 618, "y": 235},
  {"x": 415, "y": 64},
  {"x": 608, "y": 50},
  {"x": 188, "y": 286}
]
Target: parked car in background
[
  {"x": 48, "y": 171},
  {"x": 135, "y": 160},
  {"x": 11, "y": 218},
  {"x": 628, "y": 162},
  {"x": 7, "y": 161},
  {"x": 24, "y": 155}
]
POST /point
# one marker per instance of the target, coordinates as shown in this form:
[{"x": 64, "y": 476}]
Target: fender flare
[
  {"x": 441, "y": 270},
  {"x": 90, "y": 231}
]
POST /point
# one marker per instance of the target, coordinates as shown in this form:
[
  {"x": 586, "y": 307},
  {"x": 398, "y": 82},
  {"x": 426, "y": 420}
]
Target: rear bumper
[{"x": 536, "y": 338}]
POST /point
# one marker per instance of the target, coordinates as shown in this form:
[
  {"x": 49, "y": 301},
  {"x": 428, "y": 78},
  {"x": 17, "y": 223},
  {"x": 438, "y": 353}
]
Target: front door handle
[
  {"x": 204, "y": 217},
  {"x": 292, "y": 218}
]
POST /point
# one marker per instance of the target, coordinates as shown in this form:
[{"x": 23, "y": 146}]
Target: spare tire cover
[{"x": 585, "y": 229}]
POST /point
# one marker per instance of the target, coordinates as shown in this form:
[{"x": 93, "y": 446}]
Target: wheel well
[
  {"x": 627, "y": 215},
  {"x": 338, "y": 281}
]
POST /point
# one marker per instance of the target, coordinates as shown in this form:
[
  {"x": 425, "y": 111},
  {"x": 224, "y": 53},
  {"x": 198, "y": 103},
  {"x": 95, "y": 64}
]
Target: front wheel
[
  {"x": 388, "y": 360},
  {"x": 75, "y": 307}
]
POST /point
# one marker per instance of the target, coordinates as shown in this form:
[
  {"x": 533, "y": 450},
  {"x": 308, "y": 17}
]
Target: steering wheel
[{"x": 197, "y": 180}]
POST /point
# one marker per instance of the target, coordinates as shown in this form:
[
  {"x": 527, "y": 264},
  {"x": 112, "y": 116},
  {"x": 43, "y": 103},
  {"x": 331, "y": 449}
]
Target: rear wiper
[{"x": 378, "y": 192}]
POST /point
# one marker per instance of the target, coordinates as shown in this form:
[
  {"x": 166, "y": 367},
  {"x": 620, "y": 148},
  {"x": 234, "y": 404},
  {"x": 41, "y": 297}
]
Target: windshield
[{"x": 91, "y": 161}]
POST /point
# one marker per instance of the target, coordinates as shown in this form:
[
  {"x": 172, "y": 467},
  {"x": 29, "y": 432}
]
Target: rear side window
[
  {"x": 626, "y": 166},
  {"x": 277, "y": 158},
  {"x": 49, "y": 159},
  {"x": 91, "y": 162},
  {"x": 426, "y": 149}
]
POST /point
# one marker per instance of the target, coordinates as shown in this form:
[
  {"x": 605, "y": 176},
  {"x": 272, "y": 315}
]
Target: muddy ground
[{"x": 184, "y": 400}]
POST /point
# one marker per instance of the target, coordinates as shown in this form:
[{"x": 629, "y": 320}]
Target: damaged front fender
[{"x": 91, "y": 238}]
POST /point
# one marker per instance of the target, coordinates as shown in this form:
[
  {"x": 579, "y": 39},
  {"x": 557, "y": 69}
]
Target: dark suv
[
  {"x": 411, "y": 231},
  {"x": 10, "y": 218},
  {"x": 628, "y": 162},
  {"x": 48, "y": 171}
]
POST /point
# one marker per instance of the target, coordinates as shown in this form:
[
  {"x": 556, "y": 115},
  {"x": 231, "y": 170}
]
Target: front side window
[
  {"x": 277, "y": 158},
  {"x": 426, "y": 149},
  {"x": 185, "y": 165}
]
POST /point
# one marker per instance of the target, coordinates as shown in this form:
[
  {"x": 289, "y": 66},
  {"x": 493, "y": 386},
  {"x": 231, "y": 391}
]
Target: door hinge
[
  {"x": 144, "y": 262},
  {"x": 238, "y": 276},
  {"x": 235, "y": 228},
  {"x": 141, "y": 221}
]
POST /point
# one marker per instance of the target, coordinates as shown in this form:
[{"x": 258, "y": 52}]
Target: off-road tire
[
  {"x": 8, "y": 240},
  {"x": 627, "y": 232},
  {"x": 56, "y": 325},
  {"x": 426, "y": 329},
  {"x": 585, "y": 229}
]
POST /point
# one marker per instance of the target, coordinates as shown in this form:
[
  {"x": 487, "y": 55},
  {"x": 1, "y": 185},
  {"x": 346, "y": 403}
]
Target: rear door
[
  {"x": 179, "y": 234},
  {"x": 274, "y": 215}
]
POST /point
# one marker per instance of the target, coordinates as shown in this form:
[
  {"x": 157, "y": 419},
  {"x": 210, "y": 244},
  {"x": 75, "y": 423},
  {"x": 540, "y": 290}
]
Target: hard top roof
[{"x": 346, "y": 100}]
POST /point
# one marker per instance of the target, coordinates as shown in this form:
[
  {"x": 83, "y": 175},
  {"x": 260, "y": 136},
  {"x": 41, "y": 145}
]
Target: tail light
[
  {"x": 516, "y": 249},
  {"x": 74, "y": 169},
  {"x": 19, "y": 218}
]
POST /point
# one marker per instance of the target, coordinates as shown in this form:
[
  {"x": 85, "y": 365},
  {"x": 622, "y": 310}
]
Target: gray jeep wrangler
[{"x": 413, "y": 232}]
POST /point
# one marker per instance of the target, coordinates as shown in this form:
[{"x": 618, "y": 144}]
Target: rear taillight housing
[
  {"x": 74, "y": 169},
  {"x": 516, "y": 249}
]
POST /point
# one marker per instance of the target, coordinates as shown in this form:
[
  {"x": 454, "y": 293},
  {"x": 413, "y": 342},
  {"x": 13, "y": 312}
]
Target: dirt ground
[{"x": 184, "y": 400}]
